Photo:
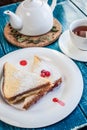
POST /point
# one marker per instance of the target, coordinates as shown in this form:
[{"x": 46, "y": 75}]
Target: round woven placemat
[{"x": 17, "y": 39}]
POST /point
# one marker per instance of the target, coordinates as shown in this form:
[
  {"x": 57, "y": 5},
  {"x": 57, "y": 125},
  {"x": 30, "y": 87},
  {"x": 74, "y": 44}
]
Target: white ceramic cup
[{"x": 78, "y": 41}]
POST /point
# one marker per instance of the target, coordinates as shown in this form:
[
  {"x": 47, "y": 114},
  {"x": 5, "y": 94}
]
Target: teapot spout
[
  {"x": 53, "y": 5},
  {"x": 15, "y": 20}
]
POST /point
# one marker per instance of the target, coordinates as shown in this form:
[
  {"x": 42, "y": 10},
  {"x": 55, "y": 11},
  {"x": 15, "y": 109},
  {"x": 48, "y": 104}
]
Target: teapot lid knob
[{"x": 32, "y": 3}]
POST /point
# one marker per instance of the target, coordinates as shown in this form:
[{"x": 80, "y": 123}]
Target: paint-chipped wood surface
[
  {"x": 81, "y": 5},
  {"x": 6, "y": 2}
]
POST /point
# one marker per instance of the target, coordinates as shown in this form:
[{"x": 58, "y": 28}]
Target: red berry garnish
[
  {"x": 23, "y": 62},
  {"x": 55, "y": 99},
  {"x": 47, "y": 73},
  {"x": 42, "y": 75},
  {"x": 43, "y": 71}
]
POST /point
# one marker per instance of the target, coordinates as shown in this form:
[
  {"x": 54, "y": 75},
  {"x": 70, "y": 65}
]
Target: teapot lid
[{"x": 32, "y": 3}]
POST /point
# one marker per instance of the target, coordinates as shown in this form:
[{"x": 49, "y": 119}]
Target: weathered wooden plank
[
  {"x": 5, "y": 2},
  {"x": 1, "y": 51},
  {"x": 81, "y": 4},
  {"x": 66, "y": 12},
  {"x": 58, "y": 1}
]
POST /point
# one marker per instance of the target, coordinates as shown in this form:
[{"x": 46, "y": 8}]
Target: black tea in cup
[{"x": 81, "y": 31}]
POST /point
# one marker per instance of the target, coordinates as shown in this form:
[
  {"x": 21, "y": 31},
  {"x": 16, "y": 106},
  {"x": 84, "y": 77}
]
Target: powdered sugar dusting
[
  {"x": 28, "y": 81},
  {"x": 55, "y": 73}
]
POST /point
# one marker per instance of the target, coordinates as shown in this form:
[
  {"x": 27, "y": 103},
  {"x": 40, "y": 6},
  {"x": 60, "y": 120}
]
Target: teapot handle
[{"x": 53, "y": 5}]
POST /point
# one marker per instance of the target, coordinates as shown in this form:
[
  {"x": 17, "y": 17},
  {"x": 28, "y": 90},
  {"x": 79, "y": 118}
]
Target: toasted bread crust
[
  {"x": 41, "y": 94},
  {"x": 26, "y": 92},
  {"x": 6, "y": 73}
]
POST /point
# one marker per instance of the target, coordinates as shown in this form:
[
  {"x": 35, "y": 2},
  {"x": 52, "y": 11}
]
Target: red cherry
[
  {"x": 42, "y": 75},
  {"x": 47, "y": 73},
  {"x": 43, "y": 71}
]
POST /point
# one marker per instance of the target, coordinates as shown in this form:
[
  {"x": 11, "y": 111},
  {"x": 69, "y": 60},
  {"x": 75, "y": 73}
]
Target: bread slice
[
  {"x": 22, "y": 89},
  {"x": 36, "y": 61},
  {"x": 18, "y": 85},
  {"x": 34, "y": 98},
  {"x": 40, "y": 64}
]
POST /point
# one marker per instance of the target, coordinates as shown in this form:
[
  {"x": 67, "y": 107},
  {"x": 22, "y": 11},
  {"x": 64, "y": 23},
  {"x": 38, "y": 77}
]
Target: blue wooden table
[
  {"x": 65, "y": 11},
  {"x": 81, "y": 5}
]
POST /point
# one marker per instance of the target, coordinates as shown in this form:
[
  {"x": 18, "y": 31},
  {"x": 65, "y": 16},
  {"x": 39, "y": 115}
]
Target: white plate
[
  {"x": 69, "y": 49},
  {"x": 45, "y": 112}
]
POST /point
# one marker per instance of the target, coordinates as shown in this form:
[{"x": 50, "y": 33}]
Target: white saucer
[{"x": 69, "y": 49}]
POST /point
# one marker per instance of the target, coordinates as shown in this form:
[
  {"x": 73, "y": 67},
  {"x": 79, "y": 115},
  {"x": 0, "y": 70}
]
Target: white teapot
[{"x": 32, "y": 17}]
